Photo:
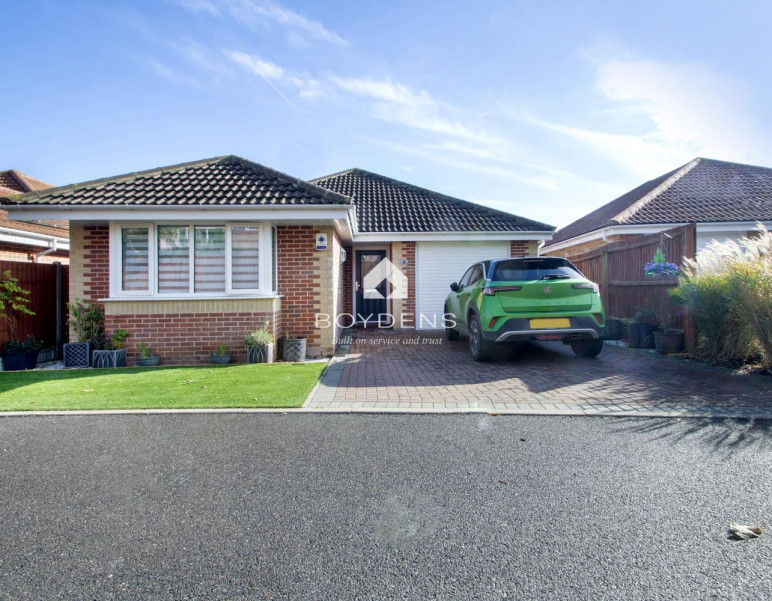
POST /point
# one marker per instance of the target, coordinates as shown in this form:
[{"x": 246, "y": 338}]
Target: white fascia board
[
  {"x": 614, "y": 230},
  {"x": 40, "y": 240},
  {"x": 188, "y": 213},
  {"x": 448, "y": 236},
  {"x": 730, "y": 226}
]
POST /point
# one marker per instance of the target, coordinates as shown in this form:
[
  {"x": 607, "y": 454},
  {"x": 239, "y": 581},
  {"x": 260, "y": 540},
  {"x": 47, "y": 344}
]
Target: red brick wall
[
  {"x": 183, "y": 338},
  {"x": 408, "y": 304},
  {"x": 346, "y": 289},
  {"x": 518, "y": 248},
  {"x": 21, "y": 253},
  {"x": 299, "y": 283},
  {"x": 96, "y": 262}
]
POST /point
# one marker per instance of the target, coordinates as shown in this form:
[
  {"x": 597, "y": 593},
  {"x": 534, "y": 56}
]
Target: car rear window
[{"x": 520, "y": 270}]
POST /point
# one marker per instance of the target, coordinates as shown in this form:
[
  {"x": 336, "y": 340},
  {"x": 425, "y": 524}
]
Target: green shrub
[
  {"x": 728, "y": 289},
  {"x": 260, "y": 337}
]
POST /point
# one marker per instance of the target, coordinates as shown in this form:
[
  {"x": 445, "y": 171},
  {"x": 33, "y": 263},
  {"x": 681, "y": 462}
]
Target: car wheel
[
  {"x": 479, "y": 348},
  {"x": 588, "y": 348},
  {"x": 450, "y": 333}
]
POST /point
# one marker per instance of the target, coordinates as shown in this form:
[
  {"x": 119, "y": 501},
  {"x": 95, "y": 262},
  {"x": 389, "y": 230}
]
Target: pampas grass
[{"x": 728, "y": 289}]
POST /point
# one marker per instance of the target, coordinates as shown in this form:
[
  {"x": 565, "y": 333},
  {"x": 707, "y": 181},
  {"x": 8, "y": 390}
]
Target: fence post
[
  {"x": 690, "y": 251},
  {"x": 59, "y": 310}
]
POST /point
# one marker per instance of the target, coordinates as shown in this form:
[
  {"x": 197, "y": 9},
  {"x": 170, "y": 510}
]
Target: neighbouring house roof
[
  {"x": 14, "y": 182},
  {"x": 386, "y": 205},
  {"x": 703, "y": 190},
  {"x": 220, "y": 181}
]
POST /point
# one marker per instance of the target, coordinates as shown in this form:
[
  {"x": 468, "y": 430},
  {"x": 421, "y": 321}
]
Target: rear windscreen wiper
[{"x": 555, "y": 276}]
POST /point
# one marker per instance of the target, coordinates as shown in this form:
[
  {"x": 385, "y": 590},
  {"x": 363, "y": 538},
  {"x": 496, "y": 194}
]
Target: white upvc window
[{"x": 191, "y": 260}]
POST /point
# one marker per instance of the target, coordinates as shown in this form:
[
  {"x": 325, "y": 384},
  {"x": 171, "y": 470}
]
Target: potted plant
[
  {"x": 670, "y": 340},
  {"x": 613, "y": 328},
  {"x": 17, "y": 354},
  {"x": 640, "y": 333},
  {"x": 87, "y": 322},
  {"x": 260, "y": 345},
  {"x": 220, "y": 356},
  {"x": 146, "y": 356},
  {"x": 294, "y": 348},
  {"x": 658, "y": 267},
  {"x": 112, "y": 353}
]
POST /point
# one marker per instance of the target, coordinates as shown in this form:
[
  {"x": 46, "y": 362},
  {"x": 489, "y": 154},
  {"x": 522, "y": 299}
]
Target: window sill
[{"x": 189, "y": 297}]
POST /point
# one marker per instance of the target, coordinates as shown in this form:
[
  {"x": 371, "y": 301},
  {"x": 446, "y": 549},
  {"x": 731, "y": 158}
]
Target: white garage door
[{"x": 440, "y": 263}]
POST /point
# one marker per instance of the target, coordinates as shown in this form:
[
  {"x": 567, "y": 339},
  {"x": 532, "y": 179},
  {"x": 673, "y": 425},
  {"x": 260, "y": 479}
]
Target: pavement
[
  {"x": 309, "y": 506},
  {"x": 382, "y": 371}
]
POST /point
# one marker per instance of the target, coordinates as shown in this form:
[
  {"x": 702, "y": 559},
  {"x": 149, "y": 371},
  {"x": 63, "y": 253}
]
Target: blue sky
[{"x": 544, "y": 109}]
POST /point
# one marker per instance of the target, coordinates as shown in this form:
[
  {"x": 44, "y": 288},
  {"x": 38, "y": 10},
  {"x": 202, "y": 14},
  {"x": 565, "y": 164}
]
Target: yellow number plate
[{"x": 550, "y": 324}]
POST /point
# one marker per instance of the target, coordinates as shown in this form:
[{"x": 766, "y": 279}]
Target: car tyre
[
  {"x": 479, "y": 348},
  {"x": 450, "y": 333},
  {"x": 588, "y": 348}
]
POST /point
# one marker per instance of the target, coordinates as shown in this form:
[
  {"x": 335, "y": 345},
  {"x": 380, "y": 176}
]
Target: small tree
[{"x": 13, "y": 300}]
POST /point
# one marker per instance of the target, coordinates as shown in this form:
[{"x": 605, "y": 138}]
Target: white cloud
[
  {"x": 307, "y": 87},
  {"x": 299, "y": 29},
  {"x": 686, "y": 109},
  {"x": 397, "y": 103}
]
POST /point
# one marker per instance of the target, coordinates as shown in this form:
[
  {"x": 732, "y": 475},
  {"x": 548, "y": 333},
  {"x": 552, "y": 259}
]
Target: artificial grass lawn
[{"x": 237, "y": 386}]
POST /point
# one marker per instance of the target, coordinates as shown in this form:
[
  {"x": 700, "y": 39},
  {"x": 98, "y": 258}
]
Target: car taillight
[
  {"x": 586, "y": 286},
  {"x": 599, "y": 318},
  {"x": 492, "y": 290}
]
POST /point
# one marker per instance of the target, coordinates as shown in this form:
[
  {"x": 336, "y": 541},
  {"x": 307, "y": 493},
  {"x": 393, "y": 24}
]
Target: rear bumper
[{"x": 582, "y": 327}]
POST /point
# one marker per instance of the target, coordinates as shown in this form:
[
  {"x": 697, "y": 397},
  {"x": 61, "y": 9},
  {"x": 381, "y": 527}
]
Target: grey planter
[
  {"x": 109, "y": 358},
  {"x": 260, "y": 354},
  {"x": 220, "y": 359},
  {"x": 77, "y": 354},
  {"x": 294, "y": 349},
  {"x": 670, "y": 343},
  {"x": 151, "y": 361}
]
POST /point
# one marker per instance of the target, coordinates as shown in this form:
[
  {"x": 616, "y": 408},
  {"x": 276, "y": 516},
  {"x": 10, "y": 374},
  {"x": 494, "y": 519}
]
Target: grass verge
[{"x": 227, "y": 386}]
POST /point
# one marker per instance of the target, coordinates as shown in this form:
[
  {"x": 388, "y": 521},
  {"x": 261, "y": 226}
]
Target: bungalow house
[
  {"x": 194, "y": 255},
  {"x": 724, "y": 200},
  {"x": 41, "y": 241}
]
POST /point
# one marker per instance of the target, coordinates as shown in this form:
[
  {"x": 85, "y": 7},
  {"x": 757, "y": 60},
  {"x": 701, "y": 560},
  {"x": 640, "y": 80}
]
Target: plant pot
[
  {"x": 151, "y": 361},
  {"x": 669, "y": 343},
  {"x": 220, "y": 359},
  {"x": 640, "y": 335},
  {"x": 260, "y": 354},
  {"x": 109, "y": 358},
  {"x": 77, "y": 354},
  {"x": 294, "y": 349},
  {"x": 613, "y": 329},
  {"x": 20, "y": 361}
]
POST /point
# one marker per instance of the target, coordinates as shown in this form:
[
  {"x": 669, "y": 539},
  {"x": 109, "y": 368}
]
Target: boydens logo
[{"x": 385, "y": 270}]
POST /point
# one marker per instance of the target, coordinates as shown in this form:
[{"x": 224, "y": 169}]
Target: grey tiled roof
[
  {"x": 221, "y": 181},
  {"x": 704, "y": 190},
  {"x": 391, "y": 206}
]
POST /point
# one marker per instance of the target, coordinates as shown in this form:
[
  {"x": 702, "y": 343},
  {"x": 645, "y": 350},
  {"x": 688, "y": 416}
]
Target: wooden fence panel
[
  {"x": 618, "y": 268},
  {"x": 40, "y": 280}
]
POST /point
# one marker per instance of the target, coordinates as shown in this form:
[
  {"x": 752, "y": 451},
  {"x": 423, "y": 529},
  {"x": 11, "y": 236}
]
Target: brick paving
[{"x": 422, "y": 372}]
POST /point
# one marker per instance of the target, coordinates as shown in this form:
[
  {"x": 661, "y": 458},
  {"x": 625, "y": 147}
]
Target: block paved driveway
[{"x": 390, "y": 371}]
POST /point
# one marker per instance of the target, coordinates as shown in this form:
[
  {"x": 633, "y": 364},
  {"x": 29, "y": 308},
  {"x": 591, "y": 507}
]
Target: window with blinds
[
  {"x": 186, "y": 259},
  {"x": 245, "y": 258},
  {"x": 135, "y": 259},
  {"x": 173, "y": 259},
  {"x": 209, "y": 269}
]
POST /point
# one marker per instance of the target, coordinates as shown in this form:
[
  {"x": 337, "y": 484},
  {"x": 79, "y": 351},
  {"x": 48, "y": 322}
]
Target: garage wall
[{"x": 440, "y": 263}]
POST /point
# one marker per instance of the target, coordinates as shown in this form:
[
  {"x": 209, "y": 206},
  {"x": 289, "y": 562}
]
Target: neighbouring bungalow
[
  {"x": 44, "y": 241},
  {"x": 724, "y": 200},
  {"x": 194, "y": 255}
]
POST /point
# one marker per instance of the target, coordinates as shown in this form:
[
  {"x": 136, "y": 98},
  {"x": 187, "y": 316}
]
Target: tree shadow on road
[{"x": 725, "y": 436}]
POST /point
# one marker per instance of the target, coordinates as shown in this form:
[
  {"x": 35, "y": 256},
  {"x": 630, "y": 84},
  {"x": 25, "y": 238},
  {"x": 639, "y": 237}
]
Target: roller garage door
[{"x": 440, "y": 263}]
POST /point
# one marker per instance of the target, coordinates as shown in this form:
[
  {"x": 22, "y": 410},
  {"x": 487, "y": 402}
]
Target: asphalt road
[{"x": 382, "y": 507}]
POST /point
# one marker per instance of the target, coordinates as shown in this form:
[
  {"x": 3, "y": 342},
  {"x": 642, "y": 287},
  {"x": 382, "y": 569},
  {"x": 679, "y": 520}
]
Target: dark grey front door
[{"x": 368, "y": 309}]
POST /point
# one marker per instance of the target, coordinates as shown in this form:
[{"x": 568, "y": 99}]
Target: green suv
[{"x": 516, "y": 300}]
